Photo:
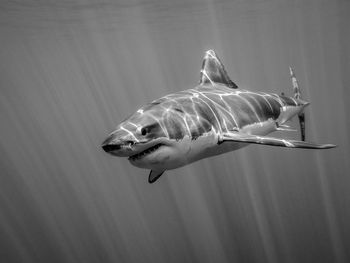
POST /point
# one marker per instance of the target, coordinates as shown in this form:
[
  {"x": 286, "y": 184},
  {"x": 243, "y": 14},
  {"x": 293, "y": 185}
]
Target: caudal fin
[
  {"x": 297, "y": 96},
  {"x": 296, "y": 89}
]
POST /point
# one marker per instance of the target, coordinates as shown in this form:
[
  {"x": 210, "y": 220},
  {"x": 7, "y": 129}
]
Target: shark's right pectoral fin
[
  {"x": 272, "y": 141},
  {"x": 154, "y": 175}
]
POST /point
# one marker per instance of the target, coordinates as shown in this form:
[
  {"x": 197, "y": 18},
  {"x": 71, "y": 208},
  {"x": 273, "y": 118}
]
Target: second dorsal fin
[{"x": 213, "y": 71}]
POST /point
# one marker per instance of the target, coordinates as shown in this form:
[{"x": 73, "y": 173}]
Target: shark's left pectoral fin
[
  {"x": 256, "y": 139},
  {"x": 154, "y": 175}
]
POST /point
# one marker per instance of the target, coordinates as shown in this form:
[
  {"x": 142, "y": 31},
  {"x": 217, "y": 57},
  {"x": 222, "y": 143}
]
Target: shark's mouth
[{"x": 148, "y": 151}]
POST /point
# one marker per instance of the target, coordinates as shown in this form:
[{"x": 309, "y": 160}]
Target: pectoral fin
[
  {"x": 247, "y": 138},
  {"x": 154, "y": 175}
]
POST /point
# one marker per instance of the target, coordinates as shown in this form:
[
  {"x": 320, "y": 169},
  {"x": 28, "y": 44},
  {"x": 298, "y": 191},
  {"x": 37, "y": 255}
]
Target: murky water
[{"x": 72, "y": 70}]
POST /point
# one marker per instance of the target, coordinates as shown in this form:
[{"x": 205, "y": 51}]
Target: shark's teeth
[{"x": 145, "y": 152}]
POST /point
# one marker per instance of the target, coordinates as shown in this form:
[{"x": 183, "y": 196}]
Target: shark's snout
[
  {"x": 117, "y": 145},
  {"x": 110, "y": 147}
]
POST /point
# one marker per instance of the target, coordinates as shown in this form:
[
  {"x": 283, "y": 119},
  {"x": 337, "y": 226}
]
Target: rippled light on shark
[{"x": 213, "y": 118}]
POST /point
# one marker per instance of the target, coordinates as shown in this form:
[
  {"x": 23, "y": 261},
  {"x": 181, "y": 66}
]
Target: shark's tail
[{"x": 297, "y": 96}]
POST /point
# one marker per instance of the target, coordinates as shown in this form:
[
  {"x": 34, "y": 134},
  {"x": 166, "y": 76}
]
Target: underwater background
[{"x": 72, "y": 70}]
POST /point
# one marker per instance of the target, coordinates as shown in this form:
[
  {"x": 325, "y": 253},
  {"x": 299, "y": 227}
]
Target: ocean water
[{"x": 72, "y": 70}]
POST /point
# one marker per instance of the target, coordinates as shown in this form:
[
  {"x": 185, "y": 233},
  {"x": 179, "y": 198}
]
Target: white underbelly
[{"x": 189, "y": 150}]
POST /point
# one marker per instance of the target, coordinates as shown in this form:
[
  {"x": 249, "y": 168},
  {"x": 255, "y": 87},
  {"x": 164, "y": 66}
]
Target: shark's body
[{"x": 213, "y": 118}]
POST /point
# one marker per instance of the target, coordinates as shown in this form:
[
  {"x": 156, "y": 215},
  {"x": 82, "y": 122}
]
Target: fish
[{"x": 213, "y": 118}]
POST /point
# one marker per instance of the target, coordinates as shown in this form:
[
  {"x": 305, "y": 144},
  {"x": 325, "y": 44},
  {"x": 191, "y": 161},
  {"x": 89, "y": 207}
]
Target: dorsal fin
[{"x": 213, "y": 71}]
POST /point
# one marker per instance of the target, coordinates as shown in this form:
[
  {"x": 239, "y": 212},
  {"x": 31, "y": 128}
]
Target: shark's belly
[{"x": 205, "y": 146}]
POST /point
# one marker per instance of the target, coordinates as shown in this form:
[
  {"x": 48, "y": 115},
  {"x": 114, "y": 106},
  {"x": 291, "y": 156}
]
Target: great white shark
[{"x": 213, "y": 118}]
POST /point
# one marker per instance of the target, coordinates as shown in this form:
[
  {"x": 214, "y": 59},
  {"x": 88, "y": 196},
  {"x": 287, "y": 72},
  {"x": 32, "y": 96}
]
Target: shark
[{"x": 213, "y": 118}]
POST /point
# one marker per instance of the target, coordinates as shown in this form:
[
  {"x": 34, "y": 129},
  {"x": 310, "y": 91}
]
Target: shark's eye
[
  {"x": 141, "y": 131},
  {"x": 147, "y": 129}
]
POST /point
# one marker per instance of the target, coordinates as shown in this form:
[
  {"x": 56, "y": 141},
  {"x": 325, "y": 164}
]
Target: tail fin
[
  {"x": 296, "y": 89},
  {"x": 297, "y": 95}
]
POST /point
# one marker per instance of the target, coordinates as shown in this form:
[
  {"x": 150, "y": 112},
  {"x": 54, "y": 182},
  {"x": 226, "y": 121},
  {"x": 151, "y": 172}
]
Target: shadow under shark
[{"x": 213, "y": 118}]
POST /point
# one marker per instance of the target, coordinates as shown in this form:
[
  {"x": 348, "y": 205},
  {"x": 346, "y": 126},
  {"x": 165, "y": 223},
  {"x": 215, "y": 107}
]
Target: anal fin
[
  {"x": 283, "y": 127},
  {"x": 286, "y": 129},
  {"x": 154, "y": 175}
]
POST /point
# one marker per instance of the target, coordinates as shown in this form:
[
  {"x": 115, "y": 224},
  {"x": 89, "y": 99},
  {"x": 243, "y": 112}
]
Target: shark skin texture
[{"x": 213, "y": 118}]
